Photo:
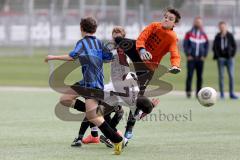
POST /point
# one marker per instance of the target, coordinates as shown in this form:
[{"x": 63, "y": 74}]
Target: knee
[
  {"x": 144, "y": 104},
  {"x": 66, "y": 100},
  {"x": 91, "y": 115},
  {"x": 92, "y": 119},
  {"x": 119, "y": 113}
]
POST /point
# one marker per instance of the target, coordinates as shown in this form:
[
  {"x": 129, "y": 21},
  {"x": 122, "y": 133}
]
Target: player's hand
[
  {"x": 155, "y": 101},
  {"x": 145, "y": 55},
  {"x": 110, "y": 45},
  {"x": 174, "y": 70},
  {"x": 47, "y": 58}
]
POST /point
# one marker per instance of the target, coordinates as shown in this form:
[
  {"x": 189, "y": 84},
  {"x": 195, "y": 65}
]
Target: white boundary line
[
  {"x": 25, "y": 89},
  {"x": 47, "y": 89}
]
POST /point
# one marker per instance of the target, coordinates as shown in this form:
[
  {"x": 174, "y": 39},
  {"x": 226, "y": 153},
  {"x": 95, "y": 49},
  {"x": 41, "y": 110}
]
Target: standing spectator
[
  {"x": 196, "y": 49},
  {"x": 224, "y": 48}
]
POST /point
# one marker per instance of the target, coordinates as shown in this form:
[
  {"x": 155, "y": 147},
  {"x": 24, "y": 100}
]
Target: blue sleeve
[{"x": 75, "y": 52}]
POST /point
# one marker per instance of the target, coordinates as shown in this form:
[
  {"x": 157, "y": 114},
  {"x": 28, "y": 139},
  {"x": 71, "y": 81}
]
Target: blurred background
[{"x": 31, "y": 29}]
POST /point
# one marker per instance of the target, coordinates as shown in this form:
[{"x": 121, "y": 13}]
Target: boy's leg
[
  {"x": 94, "y": 130},
  {"x": 103, "y": 139},
  {"x": 143, "y": 80},
  {"x": 113, "y": 122},
  {"x": 129, "y": 127},
  {"x": 117, "y": 117},
  {"x": 83, "y": 128},
  {"x": 70, "y": 100},
  {"x": 108, "y": 119},
  {"x": 98, "y": 120}
]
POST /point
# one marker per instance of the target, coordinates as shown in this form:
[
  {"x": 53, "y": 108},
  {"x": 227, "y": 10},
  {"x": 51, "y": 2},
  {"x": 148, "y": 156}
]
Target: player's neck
[
  {"x": 170, "y": 29},
  {"x": 87, "y": 34}
]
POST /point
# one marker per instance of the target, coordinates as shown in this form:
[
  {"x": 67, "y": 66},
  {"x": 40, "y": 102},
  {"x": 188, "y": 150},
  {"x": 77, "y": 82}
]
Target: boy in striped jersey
[{"x": 91, "y": 53}]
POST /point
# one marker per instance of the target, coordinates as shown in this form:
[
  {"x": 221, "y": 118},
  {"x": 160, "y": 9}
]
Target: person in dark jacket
[
  {"x": 196, "y": 49},
  {"x": 224, "y": 49}
]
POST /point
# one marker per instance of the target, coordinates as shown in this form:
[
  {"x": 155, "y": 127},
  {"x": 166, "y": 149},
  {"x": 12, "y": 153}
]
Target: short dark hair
[
  {"x": 88, "y": 25},
  {"x": 176, "y": 13}
]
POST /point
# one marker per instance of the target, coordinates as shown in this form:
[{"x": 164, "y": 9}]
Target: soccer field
[
  {"x": 50, "y": 46},
  {"x": 30, "y": 130}
]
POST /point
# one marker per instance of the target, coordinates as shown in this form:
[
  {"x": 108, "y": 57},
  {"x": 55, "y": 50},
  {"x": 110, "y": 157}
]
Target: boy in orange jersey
[{"x": 154, "y": 42}]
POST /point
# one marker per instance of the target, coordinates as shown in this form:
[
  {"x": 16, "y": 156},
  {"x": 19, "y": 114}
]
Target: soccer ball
[{"x": 207, "y": 96}]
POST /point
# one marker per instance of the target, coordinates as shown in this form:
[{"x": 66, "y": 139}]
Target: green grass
[
  {"x": 29, "y": 129},
  {"x": 32, "y": 71}
]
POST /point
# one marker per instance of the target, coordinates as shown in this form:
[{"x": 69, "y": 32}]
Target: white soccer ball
[{"x": 207, "y": 96}]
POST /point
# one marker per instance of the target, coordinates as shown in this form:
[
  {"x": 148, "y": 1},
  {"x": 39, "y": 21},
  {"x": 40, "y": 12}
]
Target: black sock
[
  {"x": 109, "y": 133},
  {"x": 94, "y": 130},
  {"x": 84, "y": 126},
  {"x": 80, "y": 106},
  {"x": 80, "y": 137},
  {"x": 108, "y": 120},
  {"x": 130, "y": 123},
  {"x": 116, "y": 118}
]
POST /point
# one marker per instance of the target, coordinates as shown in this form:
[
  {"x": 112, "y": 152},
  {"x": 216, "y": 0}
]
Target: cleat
[
  {"x": 76, "y": 142},
  {"x": 125, "y": 142},
  {"x": 106, "y": 141},
  {"x": 118, "y": 148},
  {"x": 128, "y": 135},
  {"x": 91, "y": 139}
]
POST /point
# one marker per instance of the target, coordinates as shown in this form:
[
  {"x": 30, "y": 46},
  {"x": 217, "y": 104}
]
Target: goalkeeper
[{"x": 154, "y": 42}]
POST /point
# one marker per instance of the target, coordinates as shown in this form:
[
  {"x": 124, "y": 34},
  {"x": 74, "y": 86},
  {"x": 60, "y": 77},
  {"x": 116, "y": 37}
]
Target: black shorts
[{"x": 88, "y": 93}]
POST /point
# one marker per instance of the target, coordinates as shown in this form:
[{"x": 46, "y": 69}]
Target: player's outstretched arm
[
  {"x": 175, "y": 57},
  {"x": 58, "y": 57}
]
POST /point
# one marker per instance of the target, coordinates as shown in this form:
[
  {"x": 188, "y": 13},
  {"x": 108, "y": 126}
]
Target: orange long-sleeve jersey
[{"x": 159, "y": 41}]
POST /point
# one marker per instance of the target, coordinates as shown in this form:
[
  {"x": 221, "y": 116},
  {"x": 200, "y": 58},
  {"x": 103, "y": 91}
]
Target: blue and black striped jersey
[{"x": 91, "y": 53}]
